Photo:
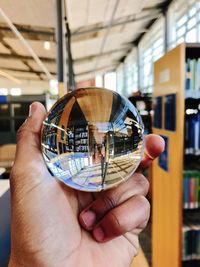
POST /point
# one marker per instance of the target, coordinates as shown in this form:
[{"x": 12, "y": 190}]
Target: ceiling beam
[
  {"x": 107, "y": 68},
  {"x": 32, "y": 71},
  {"x": 121, "y": 22},
  {"x": 20, "y": 57},
  {"x": 29, "y": 33},
  {"x": 51, "y": 60},
  {"x": 105, "y": 54},
  {"x": 110, "y": 67}
]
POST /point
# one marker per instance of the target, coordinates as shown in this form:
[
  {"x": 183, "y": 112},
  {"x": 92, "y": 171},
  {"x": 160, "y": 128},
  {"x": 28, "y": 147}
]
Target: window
[
  {"x": 3, "y": 91},
  {"x": 15, "y": 91},
  {"x": 183, "y": 22},
  {"x": 151, "y": 48},
  {"x": 120, "y": 79},
  {"x": 131, "y": 73},
  {"x": 99, "y": 81},
  {"x": 183, "y": 18},
  {"x": 110, "y": 81}
]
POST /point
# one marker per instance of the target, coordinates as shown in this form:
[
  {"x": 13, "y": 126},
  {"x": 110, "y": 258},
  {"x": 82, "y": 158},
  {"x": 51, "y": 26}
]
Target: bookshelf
[
  {"x": 13, "y": 112},
  {"x": 175, "y": 92},
  {"x": 143, "y": 104}
]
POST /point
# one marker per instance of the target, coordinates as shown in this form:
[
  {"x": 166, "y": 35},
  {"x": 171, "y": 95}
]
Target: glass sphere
[{"x": 92, "y": 139}]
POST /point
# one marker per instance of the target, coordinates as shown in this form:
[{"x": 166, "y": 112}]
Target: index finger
[{"x": 154, "y": 146}]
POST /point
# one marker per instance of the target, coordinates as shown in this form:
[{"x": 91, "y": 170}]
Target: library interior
[{"x": 118, "y": 83}]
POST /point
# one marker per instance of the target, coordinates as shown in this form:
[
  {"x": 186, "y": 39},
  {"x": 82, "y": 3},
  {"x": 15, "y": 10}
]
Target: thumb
[{"x": 28, "y": 135}]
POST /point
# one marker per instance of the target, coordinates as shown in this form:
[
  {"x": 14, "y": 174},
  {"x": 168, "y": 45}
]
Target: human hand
[{"x": 55, "y": 226}]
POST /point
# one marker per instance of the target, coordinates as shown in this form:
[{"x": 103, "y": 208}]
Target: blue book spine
[
  {"x": 187, "y": 78},
  {"x": 187, "y": 135},
  {"x": 198, "y": 79},
  {"x": 199, "y": 129},
  {"x": 192, "y": 143}
]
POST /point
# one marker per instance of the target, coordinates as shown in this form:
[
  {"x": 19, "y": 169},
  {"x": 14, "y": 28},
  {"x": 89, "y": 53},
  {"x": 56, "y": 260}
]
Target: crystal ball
[{"x": 92, "y": 139}]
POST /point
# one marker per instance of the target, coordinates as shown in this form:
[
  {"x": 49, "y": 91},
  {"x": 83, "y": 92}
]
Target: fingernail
[
  {"x": 32, "y": 109},
  {"x": 99, "y": 234},
  {"x": 89, "y": 218}
]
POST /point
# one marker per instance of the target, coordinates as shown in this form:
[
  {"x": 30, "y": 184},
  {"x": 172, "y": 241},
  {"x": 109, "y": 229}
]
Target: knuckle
[
  {"x": 142, "y": 182},
  {"x": 20, "y": 133},
  {"x": 144, "y": 204},
  {"x": 115, "y": 222},
  {"x": 109, "y": 201}
]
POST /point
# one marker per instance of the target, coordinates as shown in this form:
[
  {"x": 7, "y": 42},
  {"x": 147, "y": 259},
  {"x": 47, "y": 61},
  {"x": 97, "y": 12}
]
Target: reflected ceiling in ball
[{"x": 92, "y": 139}]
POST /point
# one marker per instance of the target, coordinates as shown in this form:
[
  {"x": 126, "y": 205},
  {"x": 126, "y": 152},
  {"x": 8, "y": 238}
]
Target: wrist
[
  {"x": 13, "y": 263},
  {"x": 17, "y": 261}
]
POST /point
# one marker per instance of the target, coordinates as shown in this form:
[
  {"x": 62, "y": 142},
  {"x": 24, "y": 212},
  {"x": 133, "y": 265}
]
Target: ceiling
[{"x": 102, "y": 33}]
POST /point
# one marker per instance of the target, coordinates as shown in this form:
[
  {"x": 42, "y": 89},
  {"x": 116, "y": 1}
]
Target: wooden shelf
[{"x": 167, "y": 209}]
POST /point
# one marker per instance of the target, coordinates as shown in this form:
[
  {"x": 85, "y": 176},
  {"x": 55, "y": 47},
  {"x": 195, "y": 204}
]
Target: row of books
[
  {"x": 191, "y": 242},
  {"x": 192, "y": 134},
  {"x": 191, "y": 189},
  {"x": 192, "y": 79}
]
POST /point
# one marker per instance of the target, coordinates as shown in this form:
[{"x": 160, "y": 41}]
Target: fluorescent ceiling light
[
  {"x": 3, "y": 91},
  {"x": 15, "y": 91},
  {"x": 47, "y": 45}
]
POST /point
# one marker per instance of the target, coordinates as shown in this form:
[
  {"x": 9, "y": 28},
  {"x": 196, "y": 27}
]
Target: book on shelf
[
  {"x": 191, "y": 189},
  {"x": 192, "y": 132},
  {"x": 192, "y": 78},
  {"x": 191, "y": 242}
]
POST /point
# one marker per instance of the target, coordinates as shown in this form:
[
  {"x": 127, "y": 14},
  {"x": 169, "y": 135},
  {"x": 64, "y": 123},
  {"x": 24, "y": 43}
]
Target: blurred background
[{"x": 148, "y": 51}]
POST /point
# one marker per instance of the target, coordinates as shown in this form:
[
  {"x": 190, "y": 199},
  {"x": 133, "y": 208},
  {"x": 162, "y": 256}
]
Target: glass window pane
[
  {"x": 180, "y": 41},
  {"x": 151, "y": 47},
  {"x": 182, "y": 21},
  {"x": 181, "y": 31},
  {"x": 183, "y": 18},
  {"x": 191, "y": 22},
  {"x": 191, "y": 36},
  {"x": 192, "y": 11}
]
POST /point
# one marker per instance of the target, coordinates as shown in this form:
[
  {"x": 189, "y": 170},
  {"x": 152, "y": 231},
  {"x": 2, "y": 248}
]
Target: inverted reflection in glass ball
[{"x": 92, "y": 139}]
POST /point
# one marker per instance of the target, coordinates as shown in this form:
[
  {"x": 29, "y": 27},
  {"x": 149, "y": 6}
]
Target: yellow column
[{"x": 61, "y": 89}]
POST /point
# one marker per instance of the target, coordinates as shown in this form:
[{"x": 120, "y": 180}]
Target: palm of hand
[
  {"x": 51, "y": 229},
  {"x": 84, "y": 250}
]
